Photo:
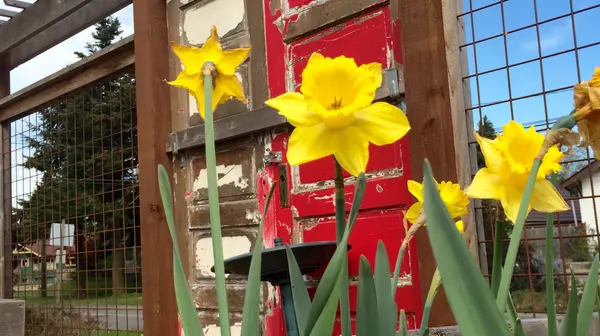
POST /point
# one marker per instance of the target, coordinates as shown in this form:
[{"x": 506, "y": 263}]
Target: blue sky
[{"x": 526, "y": 79}]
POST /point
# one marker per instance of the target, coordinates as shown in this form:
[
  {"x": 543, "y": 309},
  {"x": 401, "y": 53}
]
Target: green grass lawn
[{"x": 97, "y": 292}]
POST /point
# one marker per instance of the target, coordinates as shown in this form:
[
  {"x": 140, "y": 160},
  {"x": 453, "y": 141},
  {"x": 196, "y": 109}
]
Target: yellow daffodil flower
[
  {"x": 226, "y": 85},
  {"x": 587, "y": 114},
  {"x": 335, "y": 114},
  {"x": 454, "y": 198},
  {"x": 509, "y": 159}
]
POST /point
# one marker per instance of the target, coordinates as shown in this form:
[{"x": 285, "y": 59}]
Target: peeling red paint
[{"x": 372, "y": 36}]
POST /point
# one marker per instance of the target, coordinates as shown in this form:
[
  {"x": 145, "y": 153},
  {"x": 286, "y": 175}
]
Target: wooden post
[
  {"x": 6, "y": 208},
  {"x": 154, "y": 125},
  {"x": 435, "y": 106}
]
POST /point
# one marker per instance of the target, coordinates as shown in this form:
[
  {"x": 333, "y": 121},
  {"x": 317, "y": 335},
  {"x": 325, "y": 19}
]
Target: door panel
[{"x": 304, "y": 211}]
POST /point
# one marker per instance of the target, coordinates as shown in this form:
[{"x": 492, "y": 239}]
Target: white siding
[{"x": 590, "y": 207}]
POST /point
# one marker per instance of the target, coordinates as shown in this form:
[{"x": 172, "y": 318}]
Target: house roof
[
  {"x": 36, "y": 249},
  {"x": 581, "y": 174},
  {"x": 571, "y": 216}
]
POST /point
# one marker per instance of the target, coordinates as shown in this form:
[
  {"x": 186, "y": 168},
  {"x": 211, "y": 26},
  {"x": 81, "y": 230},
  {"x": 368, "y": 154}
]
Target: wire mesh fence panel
[
  {"x": 522, "y": 59},
  {"x": 74, "y": 200}
]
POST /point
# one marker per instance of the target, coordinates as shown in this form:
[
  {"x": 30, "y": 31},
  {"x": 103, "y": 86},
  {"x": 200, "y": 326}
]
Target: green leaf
[
  {"x": 403, "y": 327},
  {"x": 367, "y": 317},
  {"x": 586, "y": 307},
  {"x": 332, "y": 272},
  {"x": 468, "y": 294},
  {"x": 187, "y": 309},
  {"x": 436, "y": 281},
  {"x": 568, "y": 326},
  {"x": 325, "y": 322},
  {"x": 251, "y": 316},
  {"x": 397, "y": 270},
  {"x": 383, "y": 286},
  {"x": 550, "y": 299},
  {"x": 519, "y": 331},
  {"x": 512, "y": 313},
  {"x": 497, "y": 257},
  {"x": 299, "y": 292}
]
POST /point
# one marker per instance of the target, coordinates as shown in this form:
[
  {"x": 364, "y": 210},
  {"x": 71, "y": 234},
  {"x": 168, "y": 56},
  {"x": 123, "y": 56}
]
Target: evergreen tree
[{"x": 85, "y": 148}]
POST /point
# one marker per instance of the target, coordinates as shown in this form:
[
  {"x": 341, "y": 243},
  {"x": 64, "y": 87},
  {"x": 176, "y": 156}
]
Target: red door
[{"x": 303, "y": 210}]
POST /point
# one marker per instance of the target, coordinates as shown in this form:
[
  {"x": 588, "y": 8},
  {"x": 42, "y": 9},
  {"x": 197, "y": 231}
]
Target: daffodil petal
[
  {"x": 485, "y": 185},
  {"x": 353, "y": 151},
  {"x": 382, "y": 123},
  {"x": 211, "y": 49},
  {"x": 416, "y": 189},
  {"x": 493, "y": 158},
  {"x": 231, "y": 60},
  {"x": 551, "y": 162},
  {"x": 198, "y": 94},
  {"x": 327, "y": 82},
  {"x": 231, "y": 87},
  {"x": 546, "y": 198},
  {"x": 460, "y": 226},
  {"x": 187, "y": 80},
  {"x": 511, "y": 201},
  {"x": 413, "y": 212},
  {"x": 292, "y": 106},
  {"x": 189, "y": 57},
  {"x": 310, "y": 143}
]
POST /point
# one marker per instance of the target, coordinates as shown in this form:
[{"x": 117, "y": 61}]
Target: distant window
[{"x": 24, "y": 262}]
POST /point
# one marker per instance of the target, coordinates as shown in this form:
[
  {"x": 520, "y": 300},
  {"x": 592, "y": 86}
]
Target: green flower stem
[
  {"x": 497, "y": 257},
  {"x": 550, "y": 304},
  {"x": 397, "y": 269},
  {"x": 340, "y": 227},
  {"x": 436, "y": 281},
  {"x": 515, "y": 239},
  {"x": 213, "y": 200}
]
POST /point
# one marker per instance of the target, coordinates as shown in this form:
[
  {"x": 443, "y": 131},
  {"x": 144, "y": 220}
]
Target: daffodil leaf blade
[
  {"x": 588, "y": 299},
  {"x": 187, "y": 309},
  {"x": 403, "y": 326},
  {"x": 251, "y": 316},
  {"x": 367, "y": 317},
  {"x": 325, "y": 321},
  {"x": 568, "y": 326},
  {"x": 327, "y": 285},
  {"x": 383, "y": 287},
  {"x": 302, "y": 302},
  {"x": 468, "y": 294}
]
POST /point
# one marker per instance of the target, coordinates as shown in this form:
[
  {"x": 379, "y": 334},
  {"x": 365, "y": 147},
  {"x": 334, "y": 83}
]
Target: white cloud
[
  {"x": 37, "y": 68},
  {"x": 61, "y": 55}
]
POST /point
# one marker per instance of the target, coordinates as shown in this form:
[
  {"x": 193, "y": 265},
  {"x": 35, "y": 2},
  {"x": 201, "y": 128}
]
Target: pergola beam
[
  {"x": 17, "y": 3},
  {"x": 79, "y": 20},
  {"x": 38, "y": 16}
]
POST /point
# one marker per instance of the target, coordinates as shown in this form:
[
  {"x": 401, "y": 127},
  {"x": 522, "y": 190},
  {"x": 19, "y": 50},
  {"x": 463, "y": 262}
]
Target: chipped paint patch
[
  {"x": 253, "y": 216},
  {"x": 232, "y": 246},
  {"x": 226, "y": 15},
  {"x": 215, "y": 330},
  {"x": 227, "y": 174}
]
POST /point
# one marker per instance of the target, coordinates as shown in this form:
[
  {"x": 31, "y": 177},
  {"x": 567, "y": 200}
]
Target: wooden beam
[
  {"x": 37, "y": 17},
  {"x": 428, "y": 105},
  {"x": 17, "y": 3},
  {"x": 154, "y": 124},
  {"x": 88, "y": 70},
  {"x": 5, "y": 190},
  {"x": 86, "y": 16}
]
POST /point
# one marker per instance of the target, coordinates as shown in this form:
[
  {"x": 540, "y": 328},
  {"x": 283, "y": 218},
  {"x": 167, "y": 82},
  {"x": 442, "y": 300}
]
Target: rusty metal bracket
[{"x": 392, "y": 84}]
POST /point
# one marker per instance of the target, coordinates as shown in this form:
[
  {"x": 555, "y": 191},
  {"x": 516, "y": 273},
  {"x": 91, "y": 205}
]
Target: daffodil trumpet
[
  {"x": 209, "y": 74},
  {"x": 340, "y": 228}
]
